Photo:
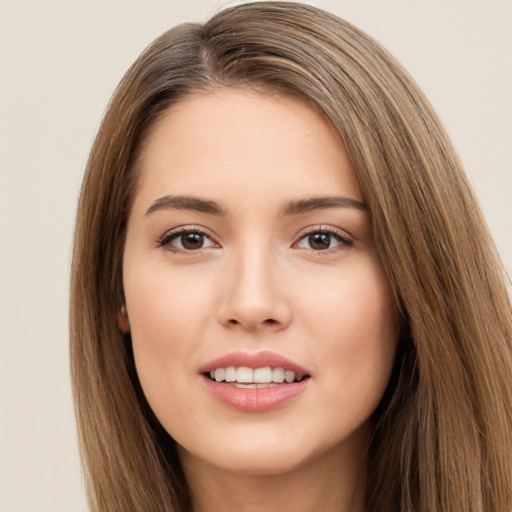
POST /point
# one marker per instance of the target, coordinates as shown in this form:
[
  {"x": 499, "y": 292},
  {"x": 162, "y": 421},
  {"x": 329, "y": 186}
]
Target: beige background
[{"x": 59, "y": 63}]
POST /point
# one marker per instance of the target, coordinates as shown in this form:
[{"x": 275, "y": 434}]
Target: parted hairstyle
[{"x": 442, "y": 435}]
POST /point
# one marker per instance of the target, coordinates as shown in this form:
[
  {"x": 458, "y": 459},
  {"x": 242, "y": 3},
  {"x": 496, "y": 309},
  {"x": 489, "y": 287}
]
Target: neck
[{"x": 333, "y": 483}]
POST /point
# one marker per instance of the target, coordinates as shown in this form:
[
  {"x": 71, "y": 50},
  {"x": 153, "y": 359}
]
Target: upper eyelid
[
  {"x": 304, "y": 232},
  {"x": 321, "y": 227},
  {"x": 175, "y": 232},
  {"x": 188, "y": 228},
  {"x": 345, "y": 242}
]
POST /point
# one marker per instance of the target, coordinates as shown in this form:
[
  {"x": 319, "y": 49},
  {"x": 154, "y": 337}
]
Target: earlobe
[{"x": 122, "y": 319}]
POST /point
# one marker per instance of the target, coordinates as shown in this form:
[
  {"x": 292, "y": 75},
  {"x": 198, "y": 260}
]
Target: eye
[
  {"x": 186, "y": 240},
  {"x": 323, "y": 240}
]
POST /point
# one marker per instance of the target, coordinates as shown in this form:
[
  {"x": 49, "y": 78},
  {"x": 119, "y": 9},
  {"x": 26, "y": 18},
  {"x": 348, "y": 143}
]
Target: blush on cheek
[
  {"x": 166, "y": 327},
  {"x": 360, "y": 335}
]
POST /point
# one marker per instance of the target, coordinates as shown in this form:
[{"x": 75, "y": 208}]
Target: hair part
[{"x": 442, "y": 437}]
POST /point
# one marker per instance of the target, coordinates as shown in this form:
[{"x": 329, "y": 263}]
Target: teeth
[
  {"x": 230, "y": 375},
  {"x": 219, "y": 374},
  {"x": 289, "y": 376},
  {"x": 243, "y": 374},
  {"x": 245, "y": 377},
  {"x": 278, "y": 375},
  {"x": 263, "y": 375}
]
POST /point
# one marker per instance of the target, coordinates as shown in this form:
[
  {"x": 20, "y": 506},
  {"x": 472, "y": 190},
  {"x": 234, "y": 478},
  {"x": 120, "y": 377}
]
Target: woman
[{"x": 283, "y": 293}]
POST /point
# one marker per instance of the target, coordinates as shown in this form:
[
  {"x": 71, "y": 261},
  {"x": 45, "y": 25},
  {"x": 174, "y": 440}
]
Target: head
[{"x": 431, "y": 242}]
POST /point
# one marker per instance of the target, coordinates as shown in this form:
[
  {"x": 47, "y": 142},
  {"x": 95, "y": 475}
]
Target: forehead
[{"x": 240, "y": 141}]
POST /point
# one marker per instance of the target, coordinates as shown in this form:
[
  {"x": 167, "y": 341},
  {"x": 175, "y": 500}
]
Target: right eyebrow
[
  {"x": 319, "y": 203},
  {"x": 186, "y": 203}
]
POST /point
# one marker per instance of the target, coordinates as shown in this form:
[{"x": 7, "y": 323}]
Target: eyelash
[
  {"x": 344, "y": 241},
  {"x": 167, "y": 238}
]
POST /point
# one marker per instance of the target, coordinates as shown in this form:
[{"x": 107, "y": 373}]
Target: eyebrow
[
  {"x": 187, "y": 203},
  {"x": 289, "y": 208},
  {"x": 319, "y": 203}
]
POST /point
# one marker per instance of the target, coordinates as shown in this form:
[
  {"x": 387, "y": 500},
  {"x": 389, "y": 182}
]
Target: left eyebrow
[
  {"x": 187, "y": 203},
  {"x": 319, "y": 203}
]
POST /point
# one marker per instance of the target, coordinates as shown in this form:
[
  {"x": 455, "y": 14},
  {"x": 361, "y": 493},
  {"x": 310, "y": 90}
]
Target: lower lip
[{"x": 255, "y": 399}]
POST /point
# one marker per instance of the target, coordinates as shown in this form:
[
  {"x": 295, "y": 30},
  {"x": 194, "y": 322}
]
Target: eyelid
[
  {"x": 346, "y": 240},
  {"x": 172, "y": 234}
]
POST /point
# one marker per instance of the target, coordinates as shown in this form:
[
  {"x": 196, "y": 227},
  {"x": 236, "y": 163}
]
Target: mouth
[
  {"x": 254, "y": 382},
  {"x": 244, "y": 377}
]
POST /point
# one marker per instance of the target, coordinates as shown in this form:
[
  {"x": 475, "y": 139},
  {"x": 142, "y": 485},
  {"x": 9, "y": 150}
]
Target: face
[{"x": 263, "y": 325}]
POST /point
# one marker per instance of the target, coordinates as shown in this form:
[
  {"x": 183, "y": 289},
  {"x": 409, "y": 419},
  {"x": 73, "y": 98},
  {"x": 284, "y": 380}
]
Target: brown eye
[
  {"x": 186, "y": 241},
  {"x": 191, "y": 241},
  {"x": 322, "y": 240},
  {"x": 319, "y": 241}
]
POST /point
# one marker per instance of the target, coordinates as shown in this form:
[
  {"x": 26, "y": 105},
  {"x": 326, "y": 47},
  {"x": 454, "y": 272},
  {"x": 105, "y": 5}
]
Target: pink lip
[
  {"x": 254, "y": 399},
  {"x": 256, "y": 360}
]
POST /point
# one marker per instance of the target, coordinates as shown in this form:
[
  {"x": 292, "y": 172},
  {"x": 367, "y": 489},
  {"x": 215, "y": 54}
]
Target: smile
[
  {"x": 256, "y": 382},
  {"x": 257, "y": 378}
]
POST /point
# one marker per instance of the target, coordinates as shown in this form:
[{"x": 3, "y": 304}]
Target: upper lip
[{"x": 254, "y": 360}]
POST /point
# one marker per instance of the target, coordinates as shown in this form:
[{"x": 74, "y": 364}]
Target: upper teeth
[{"x": 256, "y": 375}]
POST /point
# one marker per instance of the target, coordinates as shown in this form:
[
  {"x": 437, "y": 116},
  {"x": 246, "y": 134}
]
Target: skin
[{"x": 257, "y": 283}]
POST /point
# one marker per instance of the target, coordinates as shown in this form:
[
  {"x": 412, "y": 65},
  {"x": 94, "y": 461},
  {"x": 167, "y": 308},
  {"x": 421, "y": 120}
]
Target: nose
[{"x": 254, "y": 295}]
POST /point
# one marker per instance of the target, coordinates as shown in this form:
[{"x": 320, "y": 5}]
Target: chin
[
  {"x": 268, "y": 464},
  {"x": 268, "y": 452},
  {"x": 249, "y": 461}
]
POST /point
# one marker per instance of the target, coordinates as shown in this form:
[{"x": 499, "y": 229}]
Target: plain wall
[{"x": 59, "y": 64}]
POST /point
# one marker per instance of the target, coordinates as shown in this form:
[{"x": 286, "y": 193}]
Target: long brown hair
[{"x": 443, "y": 433}]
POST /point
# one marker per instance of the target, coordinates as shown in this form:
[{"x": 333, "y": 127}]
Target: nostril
[
  {"x": 253, "y": 323},
  {"x": 268, "y": 321}
]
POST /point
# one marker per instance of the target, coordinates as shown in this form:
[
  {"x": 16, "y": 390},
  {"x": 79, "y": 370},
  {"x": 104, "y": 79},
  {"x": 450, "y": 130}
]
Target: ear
[{"x": 122, "y": 319}]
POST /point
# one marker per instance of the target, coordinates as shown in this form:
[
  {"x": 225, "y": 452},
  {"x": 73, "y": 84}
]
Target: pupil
[
  {"x": 320, "y": 241},
  {"x": 192, "y": 241}
]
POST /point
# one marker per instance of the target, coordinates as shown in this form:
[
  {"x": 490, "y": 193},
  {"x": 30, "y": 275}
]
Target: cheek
[
  {"x": 355, "y": 323},
  {"x": 165, "y": 303},
  {"x": 355, "y": 306},
  {"x": 168, "y": 312}
]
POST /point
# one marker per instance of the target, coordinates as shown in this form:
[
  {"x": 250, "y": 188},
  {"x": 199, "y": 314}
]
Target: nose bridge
[{"x": 253, "y": 297}]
